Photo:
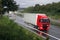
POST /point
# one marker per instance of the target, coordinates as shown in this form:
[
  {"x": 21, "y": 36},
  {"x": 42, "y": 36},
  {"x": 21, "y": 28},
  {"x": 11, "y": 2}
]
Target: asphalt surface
[{"x": 54, "y": 30}]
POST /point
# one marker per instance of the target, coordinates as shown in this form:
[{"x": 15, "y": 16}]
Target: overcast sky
[{"x": 27, "y": 3}]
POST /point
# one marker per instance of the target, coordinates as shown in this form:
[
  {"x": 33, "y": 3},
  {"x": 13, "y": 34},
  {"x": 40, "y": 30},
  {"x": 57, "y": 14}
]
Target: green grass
[
  {"x": 12, "y": 31},
  {"x": 55, "y": 23},
  {"x": 56, "y": 17}
]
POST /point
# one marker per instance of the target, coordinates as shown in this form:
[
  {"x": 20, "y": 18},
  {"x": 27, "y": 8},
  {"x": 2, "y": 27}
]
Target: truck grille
[{"x": 45, "y": 26}]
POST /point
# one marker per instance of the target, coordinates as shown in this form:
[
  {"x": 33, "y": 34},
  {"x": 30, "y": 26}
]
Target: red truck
[{"x": 40, "y": 21}]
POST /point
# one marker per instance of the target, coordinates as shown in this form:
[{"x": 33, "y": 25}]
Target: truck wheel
[{"x": 36, "y": 27}]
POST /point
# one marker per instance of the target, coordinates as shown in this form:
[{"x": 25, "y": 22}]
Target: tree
[
  {"x": 37, "y": 8},
  {"x": 1, "y": 8},
  {"x": 10, "y": 4},
  {"x": 0, "y": 5}
]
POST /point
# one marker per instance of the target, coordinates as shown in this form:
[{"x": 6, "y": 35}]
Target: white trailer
[{"x": 31, "y": 18}]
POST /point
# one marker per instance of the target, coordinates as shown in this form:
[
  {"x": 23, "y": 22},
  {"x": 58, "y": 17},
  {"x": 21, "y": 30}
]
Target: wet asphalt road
[{"x": 54, "y": 30}]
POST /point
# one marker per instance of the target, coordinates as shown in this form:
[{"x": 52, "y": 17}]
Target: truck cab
[{"x": 43, "y": 22}]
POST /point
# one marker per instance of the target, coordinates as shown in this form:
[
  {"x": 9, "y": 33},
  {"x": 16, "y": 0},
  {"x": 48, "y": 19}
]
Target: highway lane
[{"x": 54, "y": 30}]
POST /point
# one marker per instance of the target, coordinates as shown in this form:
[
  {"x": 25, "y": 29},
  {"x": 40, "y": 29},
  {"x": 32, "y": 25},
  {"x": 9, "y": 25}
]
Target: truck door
[{"x": 39, "y": 24}]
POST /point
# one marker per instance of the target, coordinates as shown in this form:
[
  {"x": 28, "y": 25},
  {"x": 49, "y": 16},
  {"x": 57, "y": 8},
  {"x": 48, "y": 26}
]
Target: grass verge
[
  {"x": 55, "y": 17},
  {"x": 55, "y": 23}
]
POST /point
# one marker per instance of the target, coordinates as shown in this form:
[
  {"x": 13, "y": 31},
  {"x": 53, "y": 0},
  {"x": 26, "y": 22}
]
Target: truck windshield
[{"x": 44, "y": 20}]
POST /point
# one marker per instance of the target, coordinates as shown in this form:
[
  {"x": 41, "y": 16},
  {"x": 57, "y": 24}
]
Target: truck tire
[{"x": 36, "y": 27}]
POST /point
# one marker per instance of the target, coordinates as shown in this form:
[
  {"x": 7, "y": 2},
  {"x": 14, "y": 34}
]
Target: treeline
[{"x": 50, "y": 9}]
